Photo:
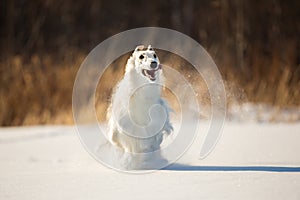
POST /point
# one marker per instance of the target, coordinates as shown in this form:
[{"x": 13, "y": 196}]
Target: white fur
[{"x": 138, "y": 116}]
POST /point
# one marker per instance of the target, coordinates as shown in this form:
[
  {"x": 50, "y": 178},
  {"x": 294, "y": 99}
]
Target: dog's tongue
[{"x": 151, "y": 73}]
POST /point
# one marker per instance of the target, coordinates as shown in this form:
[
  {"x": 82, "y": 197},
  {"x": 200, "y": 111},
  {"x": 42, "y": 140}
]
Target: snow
[
  {"x": 250, "y": 161},
  {"x": 261, "y": 113}
]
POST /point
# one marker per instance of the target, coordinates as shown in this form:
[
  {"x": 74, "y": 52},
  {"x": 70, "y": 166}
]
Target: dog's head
[{"x": 146, "y": 62}]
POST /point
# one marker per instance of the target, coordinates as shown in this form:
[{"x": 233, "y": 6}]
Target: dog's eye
[
  {"x": 154, "y": 55},
  {"x": 141, "y": 57}
]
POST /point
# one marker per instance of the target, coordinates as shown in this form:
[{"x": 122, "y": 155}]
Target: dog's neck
[
  {"x": 143, "y": 89},
  {"x": 144, "y": 95}
]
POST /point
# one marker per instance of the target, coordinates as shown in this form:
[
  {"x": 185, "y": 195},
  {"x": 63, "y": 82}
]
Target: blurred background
[{"x": 254, "y": 43}]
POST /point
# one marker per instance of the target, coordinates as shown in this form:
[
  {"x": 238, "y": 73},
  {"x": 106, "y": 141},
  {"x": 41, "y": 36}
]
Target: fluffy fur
[{"x": 138, "y": 115}]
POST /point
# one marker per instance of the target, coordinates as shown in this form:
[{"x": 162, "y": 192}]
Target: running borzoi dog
[{"x": 138, "y": 115}]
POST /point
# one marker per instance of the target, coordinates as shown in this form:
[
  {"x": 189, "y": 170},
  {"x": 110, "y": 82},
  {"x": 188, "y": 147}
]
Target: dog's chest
[{"x": 142, "y": 101}]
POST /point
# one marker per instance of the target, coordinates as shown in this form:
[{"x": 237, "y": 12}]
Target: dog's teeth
[{"x": 151, "y": 74}]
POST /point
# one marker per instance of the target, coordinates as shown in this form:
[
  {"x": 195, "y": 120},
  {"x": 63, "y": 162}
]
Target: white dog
[{"x": 138, "y": 116}]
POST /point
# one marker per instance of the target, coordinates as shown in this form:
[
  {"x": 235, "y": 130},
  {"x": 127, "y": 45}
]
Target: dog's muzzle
[{"x": 151, "y": 74}]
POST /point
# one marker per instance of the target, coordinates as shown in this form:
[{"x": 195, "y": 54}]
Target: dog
[{"x": 138, "y": 117}]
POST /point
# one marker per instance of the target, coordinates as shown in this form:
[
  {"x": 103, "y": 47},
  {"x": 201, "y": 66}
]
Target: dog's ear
[
  {"x": 150, "y": 48},
  {"x": 139, "y": 48}
]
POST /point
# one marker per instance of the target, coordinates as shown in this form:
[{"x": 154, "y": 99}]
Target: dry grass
[
  {"x": 39, "y": 90},
  {"x": 273, "y": 80}
]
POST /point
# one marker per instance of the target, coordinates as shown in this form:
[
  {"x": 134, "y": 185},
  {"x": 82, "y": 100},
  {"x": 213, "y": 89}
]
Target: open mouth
[{"x": 151, "y": 74}]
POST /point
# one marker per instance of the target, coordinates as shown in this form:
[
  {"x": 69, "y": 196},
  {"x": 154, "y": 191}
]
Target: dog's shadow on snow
[{"x": 183, "y": 167}]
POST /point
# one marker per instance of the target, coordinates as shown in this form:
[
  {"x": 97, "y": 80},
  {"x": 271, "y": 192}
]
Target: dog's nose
[{"x": 153, "y": 65}]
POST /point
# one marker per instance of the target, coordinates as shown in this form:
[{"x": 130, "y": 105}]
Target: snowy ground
[{"x": 250, "y": 161}]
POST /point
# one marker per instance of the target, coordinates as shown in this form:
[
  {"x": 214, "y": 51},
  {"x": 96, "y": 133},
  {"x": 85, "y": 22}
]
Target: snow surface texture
[{"x": 250, "y": 161}]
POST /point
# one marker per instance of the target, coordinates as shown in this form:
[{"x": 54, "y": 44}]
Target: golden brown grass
[{"x": 38, "y": 90}]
